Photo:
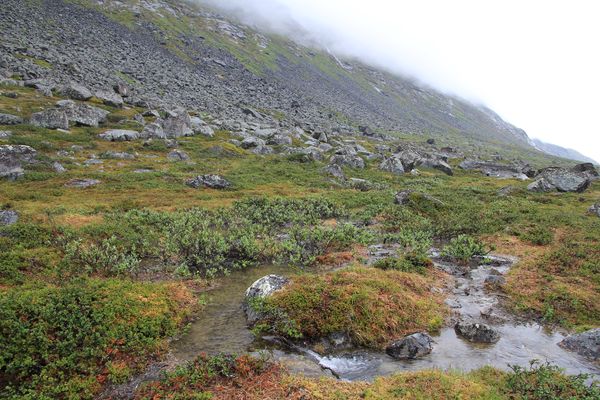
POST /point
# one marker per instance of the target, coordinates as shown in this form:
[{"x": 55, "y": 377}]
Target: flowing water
[{"x": 221, "y": 327}]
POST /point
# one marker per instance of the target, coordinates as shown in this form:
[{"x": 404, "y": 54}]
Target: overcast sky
[{"x": 535, "y": 62}]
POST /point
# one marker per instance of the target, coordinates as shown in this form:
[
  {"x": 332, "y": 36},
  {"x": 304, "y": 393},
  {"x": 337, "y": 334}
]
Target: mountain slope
[
  {"x": 562, "y": 152},
  {"x": 171, "y": 52}
]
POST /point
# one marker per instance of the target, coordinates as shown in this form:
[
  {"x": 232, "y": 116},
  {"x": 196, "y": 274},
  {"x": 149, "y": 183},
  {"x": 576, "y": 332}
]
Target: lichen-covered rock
[
  {"x": 83, "y": 114},
  {"x": 119, "y": 135},
  {"x": 586, "y": 344},
  {"x": 153, "y": 131},
  {"x": 75, "y": 92},
  {"x": 335, "y": 171},
  {"x": 209, "y": 181},
  {"x": 410, "y": 347},
  {"x": 348, "y": 160},
  {"x": 9, "y": 119},
  {"x": 595, "y": 209},
  {"x": 8, "y": 217},
  {"x": 82, "y": 183},
  {"x": 110, "y": 98},
  {"x": 51, "y": 119},
  {"x": 262, "y": 288},
  {"x": 576, "y": 179},
  {"x": 178, "y": 155},
  {"x": 393, "y": 165},
  {"x": 12, "y": 158},
  {"x": 476, "y": 332},
  {"x": 177, "y": 123}
]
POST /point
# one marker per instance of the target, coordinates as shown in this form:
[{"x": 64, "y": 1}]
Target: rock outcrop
[
  {"x": 586, "y": 344},
  {"x": 476, "y": 332},
  {"x": 13, "y": 158},
  {"x": 576, "y": 179},
  {"x": 209, "y": 181}
]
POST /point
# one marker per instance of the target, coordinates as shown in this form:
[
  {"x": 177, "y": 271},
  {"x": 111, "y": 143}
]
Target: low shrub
[
  {"x": 463, "y": 248},
  {"x": 539, "y": 236},
  {"x": 57, "y": 342}
]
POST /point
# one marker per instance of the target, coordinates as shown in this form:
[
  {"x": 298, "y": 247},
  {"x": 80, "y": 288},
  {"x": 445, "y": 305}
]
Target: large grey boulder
[
  {"x": 12, "y": 158},
  {"x": 8, "y": 217},
  {"x": 178, "y": 155},
  {"x": 177, "y": 123},
  {"x": 586, "y": 344},
  {"x": 335, "y": 171},
  {"x": 412, "y": 158},
  {"x": 476, "y": 332},
  {"x": 9, "y": 119},
  {"x": 209, "y": 181},
  {"x": 110, "y": 98},
  {"x": 119, "y": 135},
  {"x": 75, "y": 92},
  {"x": 496, "y": 170},
  {"x": 251, "y": 142},
  {"x": 393, "y": 165},
  {"x": 348, "y": 160},
  {"x": 410, "y": 347},
  {"x": 562, "y": 180},
  {"x": 51, "y": 119},
  {"x": 83, "y": 114},
  {"x": 153, "y": 131},
  {"x": 262, "y": 288}
]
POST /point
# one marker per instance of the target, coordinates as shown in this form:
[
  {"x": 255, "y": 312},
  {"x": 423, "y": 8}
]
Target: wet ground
[{"x": 221, "y": 327}]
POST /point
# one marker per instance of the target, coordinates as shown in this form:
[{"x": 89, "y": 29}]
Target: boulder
[
  {"x": 403, "y": 197},
  {"x": 118, "y": 155},
  {"x": 9, "y": 119},
  {"x": 251, "y": 142},
  {"x": 8, "y": 217},
  {"x": 153, "y": 131},
  {"x": 495, "y": 281},
  {"x": 5, "y": 134},
  {"x": 262, "y": 288},
  {"x": 208, "y": 181},
  {"x": 110, "y": 98},
  {"x": 336, "y": 171},
  {"x": 361, "y": 184},
  {"x": 119, "y": 135},
  {"x": 83, "y": 114},
  {"x": 562, "y": 180},
  {"x": 366, "y": 131},
  {"x": 82, "y": 183},
  {"x": 410, "y": 347},
  {"x": 393, "y": 165},
  {"x": 177, "y": 123},
  {"x": 75, "y": 92},
  {"x": 595, "y": 209},
  {"x": 262, "y": 150},
  {"x": 476, "y": 332},
  {"x": 277, "y": 140},
  {"x": 51, "y": 119},
  {"x": 178, "y": 155},
  {"x": 58, "y": 167},
  {"x": 496, "y": 170},
  {"x": 12, "y": 158},
  {"x": 348, "y": 160},
  {"x": 586, "y": 344},
  {"x": 122, "y": 89}
]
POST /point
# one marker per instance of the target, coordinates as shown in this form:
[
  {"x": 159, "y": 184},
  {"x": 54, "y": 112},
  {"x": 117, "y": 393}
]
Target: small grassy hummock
[{"x": 371, "y": 305}]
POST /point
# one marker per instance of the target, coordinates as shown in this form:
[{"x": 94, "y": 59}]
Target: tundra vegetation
[{"x": 94, "y": 281}]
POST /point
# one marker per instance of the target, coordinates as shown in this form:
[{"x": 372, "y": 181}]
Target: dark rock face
[
  {"x": 119, "y": 135},
  {"x": 410, "y": 347},
  {"x": 476, "y": 332},
  {"x": 209, "y": 181},
  {"x": 9, "y": 119},
  {"x": 562, "y": 180},
  {"x": 586, "y": 344},
  {"x": 82, "y": 183},
  {"x": 8, "y": 217},
  {"x": 12, "y": 159},
  {"x": 264, "y": 287},
  {"x": 51, "y": 119}
]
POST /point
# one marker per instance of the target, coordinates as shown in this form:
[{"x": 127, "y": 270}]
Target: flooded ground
[{"x": 222, "y": 328}]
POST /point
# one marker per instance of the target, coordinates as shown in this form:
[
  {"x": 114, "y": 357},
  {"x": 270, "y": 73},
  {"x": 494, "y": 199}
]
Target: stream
[{"x": 221, "y": 328}]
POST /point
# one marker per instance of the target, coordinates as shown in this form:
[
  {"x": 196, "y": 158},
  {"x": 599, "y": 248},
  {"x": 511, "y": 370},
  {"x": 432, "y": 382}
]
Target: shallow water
[{"x": 222, "y": 328}]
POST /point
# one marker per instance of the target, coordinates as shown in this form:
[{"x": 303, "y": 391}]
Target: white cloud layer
[{"x": 535, "y": 62}]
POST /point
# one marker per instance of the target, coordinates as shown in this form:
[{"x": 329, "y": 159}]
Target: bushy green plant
[
  {"x": 539, "y": 236},
  {"x": 547, "y": 382},
  {"x": 463, "y": 248},
  {"x": 106, "y": 258},
  {"x": 56, "y": 341},
  {"x": 409, "y": 262}
]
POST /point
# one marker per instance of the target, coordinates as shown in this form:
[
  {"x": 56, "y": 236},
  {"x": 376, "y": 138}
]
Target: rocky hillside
[{"x": 172, "y": 53}]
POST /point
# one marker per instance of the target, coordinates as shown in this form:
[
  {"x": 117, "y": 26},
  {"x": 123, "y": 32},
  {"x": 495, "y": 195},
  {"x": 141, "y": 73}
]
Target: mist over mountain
[{"x": 562, "y": 152}]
